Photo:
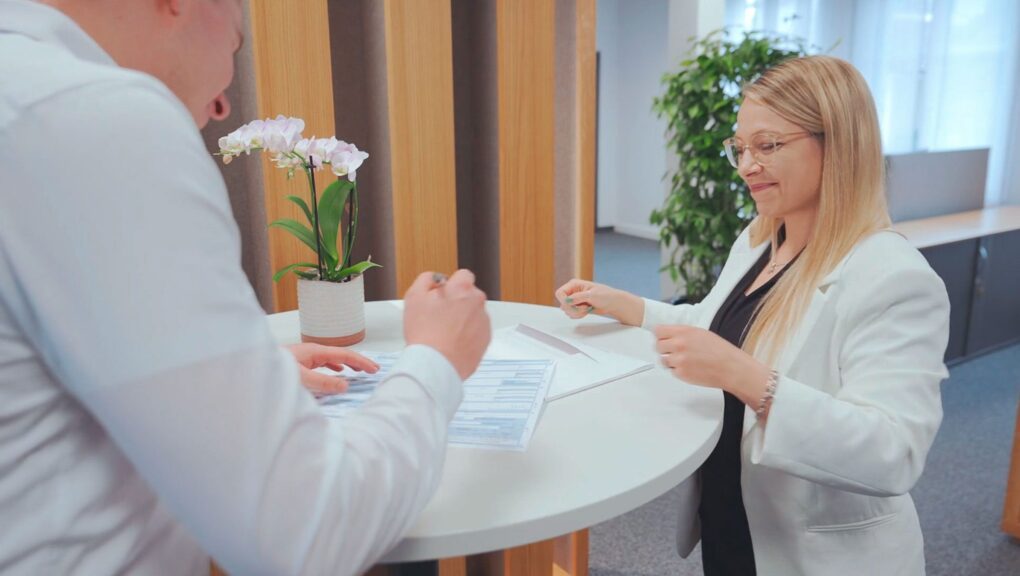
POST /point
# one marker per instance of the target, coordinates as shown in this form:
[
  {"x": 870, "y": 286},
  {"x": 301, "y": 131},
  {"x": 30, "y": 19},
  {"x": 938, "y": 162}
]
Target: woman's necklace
[{"x": 776, "y": 265}]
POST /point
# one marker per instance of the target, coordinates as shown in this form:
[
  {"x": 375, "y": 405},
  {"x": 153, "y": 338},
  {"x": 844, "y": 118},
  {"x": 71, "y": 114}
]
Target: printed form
[{"x": 503, "y": 400}]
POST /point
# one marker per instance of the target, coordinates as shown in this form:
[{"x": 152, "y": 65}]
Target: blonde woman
[{"x": 826, "y": 333}]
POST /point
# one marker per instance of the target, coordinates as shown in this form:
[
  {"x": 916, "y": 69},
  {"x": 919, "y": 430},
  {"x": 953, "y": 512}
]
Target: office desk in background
[
  {"x": 595, "y": 455},
  {"x": 977, "y": 254}
]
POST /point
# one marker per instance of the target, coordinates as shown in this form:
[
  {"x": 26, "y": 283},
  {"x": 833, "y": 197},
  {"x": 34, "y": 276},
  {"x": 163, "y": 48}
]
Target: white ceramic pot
[{"x": 332, "y": 313}]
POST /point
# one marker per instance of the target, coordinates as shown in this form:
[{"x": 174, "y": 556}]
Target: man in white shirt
[{"x": 146, "y": 415}]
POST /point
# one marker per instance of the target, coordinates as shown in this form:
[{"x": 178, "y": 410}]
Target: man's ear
[{"x": 174, "y": 7}]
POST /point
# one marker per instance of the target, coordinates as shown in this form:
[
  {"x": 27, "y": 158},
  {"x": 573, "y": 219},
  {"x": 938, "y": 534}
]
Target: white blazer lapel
[{"x": 799, "y": 336}]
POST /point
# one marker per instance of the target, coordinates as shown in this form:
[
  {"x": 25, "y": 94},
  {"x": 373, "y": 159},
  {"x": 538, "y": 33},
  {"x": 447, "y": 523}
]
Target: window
[{"x": 942, "y": 71}]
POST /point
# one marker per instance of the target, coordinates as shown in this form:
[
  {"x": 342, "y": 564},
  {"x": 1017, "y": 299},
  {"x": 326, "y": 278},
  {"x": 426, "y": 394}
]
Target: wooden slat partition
[
  {"x": 529, "y": 560},
  {"x": 419, "y": 65},
  {"x": 571, "y": 553},
  {"x": 293, "y": 78},
  {"x": 1011, "y": 510},
  {"x": 584, "y": 221},
  {"x": 444, "y": 566},
  {"x": 526, "y": 64}
]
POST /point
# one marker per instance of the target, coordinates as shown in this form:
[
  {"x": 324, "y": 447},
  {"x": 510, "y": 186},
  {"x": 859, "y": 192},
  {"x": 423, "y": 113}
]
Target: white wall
[
  {"x": 638, "y": 41},
  {"x": 687, "y": 18},
  {"x": 632, "y": 38}
]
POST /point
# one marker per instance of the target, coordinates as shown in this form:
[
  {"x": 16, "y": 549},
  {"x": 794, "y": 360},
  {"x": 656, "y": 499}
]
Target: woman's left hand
[
  {"x": 701, "y": 357},
  {"x": 311, "y": 356}
]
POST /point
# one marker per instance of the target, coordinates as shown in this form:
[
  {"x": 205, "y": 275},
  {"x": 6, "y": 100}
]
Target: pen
[{"x": 438, "y": 279}]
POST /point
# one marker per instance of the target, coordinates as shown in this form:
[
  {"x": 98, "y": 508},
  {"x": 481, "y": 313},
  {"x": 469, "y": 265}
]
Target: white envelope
[{"x": 578, "y": 367}]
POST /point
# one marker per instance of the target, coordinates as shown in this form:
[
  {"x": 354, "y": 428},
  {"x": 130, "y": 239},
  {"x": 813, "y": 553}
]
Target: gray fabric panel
[
  {"x": 565, "y": 115},
  {"x": 244, "y": 175},
  {"x": 358, "y": 47},
  {"x": 476, "y": 124}
]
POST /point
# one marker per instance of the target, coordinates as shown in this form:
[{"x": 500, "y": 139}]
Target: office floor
[{"x": 959, "y": 497}]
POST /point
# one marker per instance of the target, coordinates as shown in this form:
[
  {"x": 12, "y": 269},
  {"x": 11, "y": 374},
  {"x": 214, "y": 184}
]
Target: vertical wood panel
[
  {"x": 293, "y": 77},
  {"x": 528, "y": 560},
  {"x": 526, "y": 63},
  {"x": 584, "y": 222},
  {"x": 419, "y": 64},
  {"x": 453, "y": 566},
  {"x": 443, "y": 567},
  {"x": 1011, "y": 510},
  {"x": 571, "y": 553}
]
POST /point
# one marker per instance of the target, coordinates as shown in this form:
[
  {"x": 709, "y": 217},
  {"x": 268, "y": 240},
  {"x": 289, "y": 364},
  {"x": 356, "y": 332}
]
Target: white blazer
[{"x": 825, "y": 482}]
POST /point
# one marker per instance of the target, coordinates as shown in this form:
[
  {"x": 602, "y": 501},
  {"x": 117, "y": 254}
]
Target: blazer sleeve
[
  {"x": 659, "y": 313},
  {"x": 873, "y": 436}
]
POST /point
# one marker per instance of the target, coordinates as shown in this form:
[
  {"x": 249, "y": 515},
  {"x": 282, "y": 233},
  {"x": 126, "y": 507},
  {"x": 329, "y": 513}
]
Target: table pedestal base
[{"x": 563, "y": 556}]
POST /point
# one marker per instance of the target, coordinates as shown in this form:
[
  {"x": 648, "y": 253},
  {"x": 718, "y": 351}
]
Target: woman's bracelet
[{"x": 770, "y": 392}]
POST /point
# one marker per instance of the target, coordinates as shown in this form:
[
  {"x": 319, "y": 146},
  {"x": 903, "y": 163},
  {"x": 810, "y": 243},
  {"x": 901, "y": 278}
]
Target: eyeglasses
[{"x": 763, "y": 145}]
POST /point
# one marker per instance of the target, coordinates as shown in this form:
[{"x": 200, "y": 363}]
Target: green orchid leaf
[
  {"x": 282, "y": 271},
  {"x": 331, "y": 210},
  {"x": 303, "y": 205},
  {"x": 329, "y": 262},
  {"x": 358, "y": 268},
  {"x": 299, "y": 230}
]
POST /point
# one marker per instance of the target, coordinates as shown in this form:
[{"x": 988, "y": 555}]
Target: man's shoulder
[{"x": 44, "y": 75}]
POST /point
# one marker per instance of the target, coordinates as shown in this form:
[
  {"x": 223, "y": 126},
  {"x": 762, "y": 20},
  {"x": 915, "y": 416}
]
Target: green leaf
[
  {"x": 303, "y": 205},
  {"x": 359, "y": 268},
  {"x": 282, "y": 271},
  {"x": 331, "y": 210},
  {"x": 299, "y": 230}
]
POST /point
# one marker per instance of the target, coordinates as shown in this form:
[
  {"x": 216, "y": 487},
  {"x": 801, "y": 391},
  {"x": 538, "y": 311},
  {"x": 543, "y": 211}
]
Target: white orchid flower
[
  {"x": 346, "y": 159},
  {"x": 279, "y": 136},
  {"x": 319, "y": 150},
  {"x": 243, "y": 140}
]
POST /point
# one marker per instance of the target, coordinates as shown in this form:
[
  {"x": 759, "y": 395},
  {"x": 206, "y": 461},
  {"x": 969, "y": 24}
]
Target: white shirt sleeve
[{"x": 126, "y": 262}]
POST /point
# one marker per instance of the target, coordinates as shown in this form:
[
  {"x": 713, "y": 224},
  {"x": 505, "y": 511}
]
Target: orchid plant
[{"x": 281, "y": 138}]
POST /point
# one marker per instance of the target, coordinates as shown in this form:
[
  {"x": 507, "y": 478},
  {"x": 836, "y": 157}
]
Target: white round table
[{"x": 594, "y": 455}]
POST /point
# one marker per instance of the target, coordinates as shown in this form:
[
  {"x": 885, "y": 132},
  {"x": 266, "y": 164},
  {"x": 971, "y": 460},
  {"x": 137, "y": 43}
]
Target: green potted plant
[
  {"x": 708, "y": 204},
  {"x": 331, "y": 293}
]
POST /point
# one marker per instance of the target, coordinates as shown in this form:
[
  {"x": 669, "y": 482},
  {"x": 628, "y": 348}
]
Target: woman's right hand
[{"x": 578, "y": 298}]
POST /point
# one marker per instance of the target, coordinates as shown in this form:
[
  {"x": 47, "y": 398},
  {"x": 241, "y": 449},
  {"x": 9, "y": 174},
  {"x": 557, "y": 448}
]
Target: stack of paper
[
  {"x": 523, "y": 367},
  {"x": 578, "y": 367}
]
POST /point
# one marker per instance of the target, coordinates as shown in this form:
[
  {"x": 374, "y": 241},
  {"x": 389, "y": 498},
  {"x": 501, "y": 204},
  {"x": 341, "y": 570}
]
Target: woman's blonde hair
[{"x": 829, "y": 97}]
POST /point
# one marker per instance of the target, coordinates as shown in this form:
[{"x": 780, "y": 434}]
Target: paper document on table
[
  {"x": 503, "y": 400},
  {"x": 578, "y": 367}
]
